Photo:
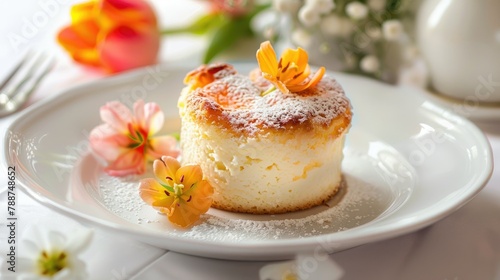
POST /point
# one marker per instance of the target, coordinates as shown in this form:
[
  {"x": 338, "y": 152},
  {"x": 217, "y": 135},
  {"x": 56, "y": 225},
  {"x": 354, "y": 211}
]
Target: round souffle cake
[{"x": 264, "y": 152}]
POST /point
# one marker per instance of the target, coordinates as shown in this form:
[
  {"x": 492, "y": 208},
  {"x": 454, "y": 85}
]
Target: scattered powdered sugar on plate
[
  {"x": 121, "y": 195},
  {"x": 357, "y": 203}
]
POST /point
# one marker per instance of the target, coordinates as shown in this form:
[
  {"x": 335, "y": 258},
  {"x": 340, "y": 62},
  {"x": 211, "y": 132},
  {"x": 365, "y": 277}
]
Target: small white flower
[
  {"x": 377, "y": 5},
  {"x": 415, "y": 75},
  {"x": 392, "y": 30},
  {"x": 370, "y": 64},
  {"x": 287, "y": 6},
  {"x": 356, "y": 10},
  {"x": 301, "y": 38},
  {"x": 53, "y": 256},
  {"x": 411, "y": 53},
  {"x": 336, "y": 26},
  {"x": 300, "y": 268},
  {"x": 322, "y": 6},
  {"x": 279, "y": 271},
  {"x": 350, "y": 61},
  {"x": 269, "y": 33},
  {"x": 309, "y": 16},
  {"x": 374, "y": 32}
]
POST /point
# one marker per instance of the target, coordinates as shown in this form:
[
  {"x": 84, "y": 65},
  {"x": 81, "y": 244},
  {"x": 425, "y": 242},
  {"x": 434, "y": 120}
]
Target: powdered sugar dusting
[
  {"x": 356, "y": 204},
  {"x": 239, "y": 101},
  {"x": 120, "y": 195}
]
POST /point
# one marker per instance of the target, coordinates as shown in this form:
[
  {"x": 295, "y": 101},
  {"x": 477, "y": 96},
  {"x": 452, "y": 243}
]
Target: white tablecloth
[{"x": 465, "y": 245}]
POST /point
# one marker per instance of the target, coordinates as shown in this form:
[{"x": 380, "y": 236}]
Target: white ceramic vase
[{"x": 460, "y": 41}]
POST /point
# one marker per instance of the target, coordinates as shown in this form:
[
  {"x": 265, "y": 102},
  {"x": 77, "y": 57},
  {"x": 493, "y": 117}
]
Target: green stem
[
  {"x": 175, "y": 31},
  {"x": 268, "y": 91}
]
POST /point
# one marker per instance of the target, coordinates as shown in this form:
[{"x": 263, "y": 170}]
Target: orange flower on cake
[
  {"x": 290, "y": 73},
  {"x": 127, "y": 140},
  {"x": 114, "y": 35}
]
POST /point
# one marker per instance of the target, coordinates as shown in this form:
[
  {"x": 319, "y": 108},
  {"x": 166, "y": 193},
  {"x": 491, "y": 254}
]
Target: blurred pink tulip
[
  {"x": 232, "y": 7},
  {"x": 115, "y": 35}
]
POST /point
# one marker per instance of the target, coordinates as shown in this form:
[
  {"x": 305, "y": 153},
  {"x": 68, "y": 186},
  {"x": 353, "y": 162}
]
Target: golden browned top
[{"x": 220, "y": 96}]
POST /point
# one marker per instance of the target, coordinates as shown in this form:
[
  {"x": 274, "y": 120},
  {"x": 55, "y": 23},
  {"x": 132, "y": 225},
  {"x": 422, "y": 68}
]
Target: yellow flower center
[
  {"x": 50, "y": 263},
  {"x": 178, "y": 189}
]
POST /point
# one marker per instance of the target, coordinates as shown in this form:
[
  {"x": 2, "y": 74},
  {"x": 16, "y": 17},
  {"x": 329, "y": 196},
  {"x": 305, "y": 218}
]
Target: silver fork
[{"x": 22, "y": 81}]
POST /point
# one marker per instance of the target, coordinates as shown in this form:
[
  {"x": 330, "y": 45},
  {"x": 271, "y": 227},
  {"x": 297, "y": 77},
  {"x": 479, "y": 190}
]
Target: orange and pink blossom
[
  {"x": 127, "y": 141},
  {"x": 114, "y": 35}
]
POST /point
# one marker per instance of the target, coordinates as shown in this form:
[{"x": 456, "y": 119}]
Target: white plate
[{"x": 407, "y": 164}]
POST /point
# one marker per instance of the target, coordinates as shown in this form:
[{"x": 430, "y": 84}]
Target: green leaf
[
  {"x": 230, "y": 31},
  {"x": 176, "y": 135},
  {"x": 225, "y": 37},
  {"x": 258, "y": 9},
  {"x": 393, "y": 6}
]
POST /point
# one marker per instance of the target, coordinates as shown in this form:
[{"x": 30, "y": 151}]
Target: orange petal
[
  {"x": 294, "y": 62},
  {"x": 83, "y": 11},
  {"x": 165, "y": 169},
  {"x": 154, "y": 194},
  {"x": 200, "y": 196},
  {"x": 282, "y": 87},
  {"x": 84, "y": 22},
  {"x": 287, "y": 73},
  {"x": 317, "y": 77},
  {"x": 127, "y": 12},
  {"x": 183, "y": 216},
  {"x": 205, "y": 74},
  {"x": 302, "y": 59},
  {"x": 164, "y": 202},
  {"x": 300, "y": 78},
  {"x": 189, "y": 176},
  {"x": 125, "y": 48},
  {"x": 288, "y": 57},
  {"x": 311, "y": 83},
  {"x": 266, "y": 57},
  {"x": 81, "y": 46}
]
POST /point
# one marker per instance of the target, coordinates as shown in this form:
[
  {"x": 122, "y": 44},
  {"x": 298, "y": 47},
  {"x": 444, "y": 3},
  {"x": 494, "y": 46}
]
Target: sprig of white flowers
[
  {"x": 356, "y": 10},
  {"x": 363, "y": 29}
]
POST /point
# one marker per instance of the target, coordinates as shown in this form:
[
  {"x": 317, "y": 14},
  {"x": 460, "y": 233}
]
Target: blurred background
[
  {"x": 442, "y": 45},
  {"x": 448, "y": 48}
]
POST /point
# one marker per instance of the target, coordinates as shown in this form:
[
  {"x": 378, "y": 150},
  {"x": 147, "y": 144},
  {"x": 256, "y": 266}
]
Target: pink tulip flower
[{"x": 114, "y": 35}]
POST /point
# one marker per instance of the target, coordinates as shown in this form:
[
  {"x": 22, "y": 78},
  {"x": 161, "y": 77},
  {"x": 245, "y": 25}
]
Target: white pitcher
[{"x": 460, "y": 41}]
